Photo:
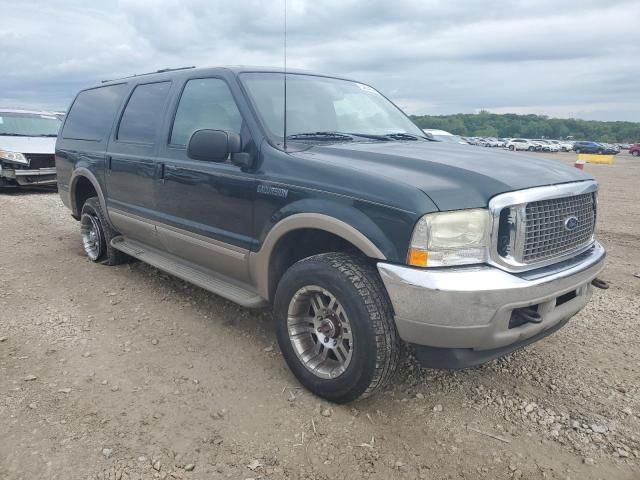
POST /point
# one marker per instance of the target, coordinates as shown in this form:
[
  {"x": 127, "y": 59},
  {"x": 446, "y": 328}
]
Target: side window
[
  {"x": 143, "y": 114},
  {"x": 91, "y": 114},
  {"x": 205, "y": 103}
]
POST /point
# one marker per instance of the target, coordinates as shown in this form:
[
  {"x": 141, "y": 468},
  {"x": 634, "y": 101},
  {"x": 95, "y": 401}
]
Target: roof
[
  {"x": 167, "y": 73},
  {"x": 33, "y": 112}
]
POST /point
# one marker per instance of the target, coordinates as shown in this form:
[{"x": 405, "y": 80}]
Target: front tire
[
  {"x": 97, "y": 235},
  {"x": 335, "y": 327},
  {"x": 512, "y": 148}
]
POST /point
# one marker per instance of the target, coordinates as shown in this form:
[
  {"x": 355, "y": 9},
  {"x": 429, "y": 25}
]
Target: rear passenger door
[
  {"x": 205, "y": 208},
  {"x": 132, "y": 169}
]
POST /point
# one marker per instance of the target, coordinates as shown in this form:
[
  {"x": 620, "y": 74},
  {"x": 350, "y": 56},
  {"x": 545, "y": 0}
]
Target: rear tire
[
  {"x": 335, "y": 327},
  {"x": 97, "y": 235},
  {"x": 635, "y": 154},
  {"x": 577, "y": 150}
]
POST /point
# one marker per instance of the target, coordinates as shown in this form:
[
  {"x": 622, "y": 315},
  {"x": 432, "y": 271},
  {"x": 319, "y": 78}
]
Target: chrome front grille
[
  {"x": 543, "y": 225},
  {"x": 546, "y": 232}
]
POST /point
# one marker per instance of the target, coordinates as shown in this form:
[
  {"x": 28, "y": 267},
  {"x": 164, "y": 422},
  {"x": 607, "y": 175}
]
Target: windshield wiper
[
  {"x": 372, "y": 136},
  {"x": 15, "y": 135},
  {"x": 402, "y": 136},
  {"x": 349, "y": 136},
  {"x": 47, "y": 135},
  {"x": 321, "y": 136}
]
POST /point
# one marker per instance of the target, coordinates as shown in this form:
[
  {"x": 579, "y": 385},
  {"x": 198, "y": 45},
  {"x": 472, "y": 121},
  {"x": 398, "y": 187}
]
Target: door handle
[
  {"x": 109, "y": 160},
  {"x": 160, "y": 172}
]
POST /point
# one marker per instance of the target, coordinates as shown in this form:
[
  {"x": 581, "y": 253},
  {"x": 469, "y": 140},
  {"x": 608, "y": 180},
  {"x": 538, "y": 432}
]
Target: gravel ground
[{"x": 126, "y": 372}]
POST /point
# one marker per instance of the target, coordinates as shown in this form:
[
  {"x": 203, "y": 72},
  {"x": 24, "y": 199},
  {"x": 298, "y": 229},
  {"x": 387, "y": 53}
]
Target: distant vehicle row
[{"x": 535, "y": 145}]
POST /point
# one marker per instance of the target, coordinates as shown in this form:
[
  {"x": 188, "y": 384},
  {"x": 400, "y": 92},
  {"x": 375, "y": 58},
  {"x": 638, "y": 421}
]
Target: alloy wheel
[
  {"x": 91, "y": 236},
  {"x": 320, "y": 332}
]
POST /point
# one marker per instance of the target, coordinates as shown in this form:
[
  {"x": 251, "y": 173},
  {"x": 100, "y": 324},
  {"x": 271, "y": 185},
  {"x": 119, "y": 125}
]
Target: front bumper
[
  {"x": 42, "y": 176},
  {"x": 471, "y": 308}
]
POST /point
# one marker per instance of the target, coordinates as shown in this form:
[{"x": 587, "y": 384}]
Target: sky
[{"x": 562, "y": 58}]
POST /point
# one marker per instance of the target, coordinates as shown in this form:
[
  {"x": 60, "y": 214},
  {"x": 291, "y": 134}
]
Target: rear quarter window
[{"x": 92, "y": 113}]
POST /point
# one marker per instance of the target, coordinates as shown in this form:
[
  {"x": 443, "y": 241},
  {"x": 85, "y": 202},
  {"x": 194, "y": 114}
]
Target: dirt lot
[{"x": 126, "y": 372}]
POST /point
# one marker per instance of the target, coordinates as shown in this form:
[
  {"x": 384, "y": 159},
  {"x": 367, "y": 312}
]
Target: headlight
[
  {"x": 13, "y": 157},
  {"x": 450, "y": 238}
]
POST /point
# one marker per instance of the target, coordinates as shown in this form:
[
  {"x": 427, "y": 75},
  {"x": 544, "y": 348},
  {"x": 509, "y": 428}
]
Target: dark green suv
[{"x": 357, "y": 229}]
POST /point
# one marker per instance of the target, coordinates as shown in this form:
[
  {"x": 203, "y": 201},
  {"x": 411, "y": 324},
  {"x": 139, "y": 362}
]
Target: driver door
[{"x": 205, "y": 209}]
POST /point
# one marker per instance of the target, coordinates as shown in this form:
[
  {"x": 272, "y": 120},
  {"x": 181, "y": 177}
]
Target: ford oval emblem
[{"x": 570, "y": 223}]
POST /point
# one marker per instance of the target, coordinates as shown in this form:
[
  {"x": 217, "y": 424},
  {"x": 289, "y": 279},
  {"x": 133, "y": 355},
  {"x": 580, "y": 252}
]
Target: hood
[
  {"x": 453, "y": 176},
  {"x": 28, "y": 144}
]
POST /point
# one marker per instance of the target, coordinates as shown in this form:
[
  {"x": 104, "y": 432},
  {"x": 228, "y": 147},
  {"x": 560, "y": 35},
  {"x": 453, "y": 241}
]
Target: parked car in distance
[
  {"x": 611, "y": 148},
  {"x": 563, "y": 145},
  {"x": 635, "y": 149},
  {"x": 27, "y": 147},
  {"x": 494, "y": 142},
  {"x": 521, "y": 144},
  {"x": 594, "y": 147},
  {"x": 444, "y": 136},
  {"x": 539, "y": 146},
  {"x": 357, "y": 229},
  {"x": 477, "y": 141},
  {"x": 547, "y": 146}
]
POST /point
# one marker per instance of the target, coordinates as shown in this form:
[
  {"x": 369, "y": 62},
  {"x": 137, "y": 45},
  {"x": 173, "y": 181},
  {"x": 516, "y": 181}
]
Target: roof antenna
[{"x": 285, "y": 76}]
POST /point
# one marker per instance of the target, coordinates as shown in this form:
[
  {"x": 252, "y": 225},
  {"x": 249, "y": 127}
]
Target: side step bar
[{"x": 204, "y": 279}]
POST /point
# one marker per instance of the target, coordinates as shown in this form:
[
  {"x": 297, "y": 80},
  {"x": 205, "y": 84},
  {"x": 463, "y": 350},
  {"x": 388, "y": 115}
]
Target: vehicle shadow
[{"x": 18, "y": 191}]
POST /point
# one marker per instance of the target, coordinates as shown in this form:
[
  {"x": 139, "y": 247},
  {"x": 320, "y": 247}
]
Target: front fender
[{"x": 347, "y": 222}]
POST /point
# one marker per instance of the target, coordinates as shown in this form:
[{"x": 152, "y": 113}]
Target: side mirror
[{"x": 213, "y": 145}]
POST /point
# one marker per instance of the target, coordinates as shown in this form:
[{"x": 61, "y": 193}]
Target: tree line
[{"x": 511, "y": 125}]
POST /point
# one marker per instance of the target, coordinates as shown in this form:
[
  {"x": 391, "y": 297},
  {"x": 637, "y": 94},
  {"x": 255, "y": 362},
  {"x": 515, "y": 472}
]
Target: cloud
[{"x": 570, "y": 58}]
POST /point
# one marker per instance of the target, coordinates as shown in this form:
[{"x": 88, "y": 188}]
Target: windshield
[
  {"x": 28, "y": 124},
  {"x": 319, "y": 104}
]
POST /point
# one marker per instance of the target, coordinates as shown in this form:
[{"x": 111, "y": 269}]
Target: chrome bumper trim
[
  {"x": 30, "y": 173},
  {"x": 470, "y": 307}
]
